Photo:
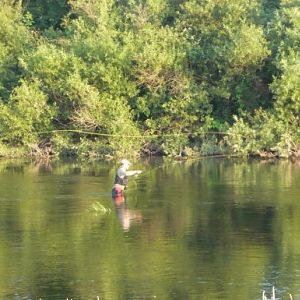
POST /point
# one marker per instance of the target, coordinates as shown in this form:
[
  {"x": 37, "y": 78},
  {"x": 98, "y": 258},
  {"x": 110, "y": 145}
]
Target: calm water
[{"x": 202, "y": 229}]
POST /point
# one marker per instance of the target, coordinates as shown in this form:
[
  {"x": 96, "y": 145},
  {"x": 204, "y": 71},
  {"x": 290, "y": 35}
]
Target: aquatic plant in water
[{"x": 99, "y": 209}]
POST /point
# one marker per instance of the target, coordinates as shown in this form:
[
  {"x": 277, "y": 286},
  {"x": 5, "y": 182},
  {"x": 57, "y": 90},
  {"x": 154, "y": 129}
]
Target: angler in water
[{"x": 121, "y": 179}]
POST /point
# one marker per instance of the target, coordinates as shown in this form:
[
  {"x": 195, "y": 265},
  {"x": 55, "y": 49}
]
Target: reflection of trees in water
[
  {"x": 212, "y": 222},
  {"x": 232, "y": 214},
  {"x": 57, "y": 167},
  {"x": 263, "y": 173}
]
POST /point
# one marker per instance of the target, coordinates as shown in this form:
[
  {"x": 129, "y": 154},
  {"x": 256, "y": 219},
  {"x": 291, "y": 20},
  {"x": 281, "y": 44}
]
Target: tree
[
  {"x": 226, "y": 49},
  {"x": 46, "y": 13},
  {"x": 15, "y": 41}
]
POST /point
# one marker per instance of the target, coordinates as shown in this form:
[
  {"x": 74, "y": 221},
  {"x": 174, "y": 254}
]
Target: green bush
[
  {"x": 263, "y": 132},
  {"x": 108, "y": 73},
  {"x": 25, "y": 115}
]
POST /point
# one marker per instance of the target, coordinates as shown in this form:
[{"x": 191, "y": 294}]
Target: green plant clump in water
[{"x": 98, "y": 209}]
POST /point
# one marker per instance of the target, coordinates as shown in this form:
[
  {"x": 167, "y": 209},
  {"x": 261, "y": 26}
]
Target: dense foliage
[{"x": 126, "y": 77}]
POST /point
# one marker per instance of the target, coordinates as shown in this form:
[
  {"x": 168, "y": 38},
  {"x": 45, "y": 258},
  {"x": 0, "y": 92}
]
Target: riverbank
[{"x": 94, "y": 150}]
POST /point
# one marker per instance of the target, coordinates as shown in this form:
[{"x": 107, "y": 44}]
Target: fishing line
[{"x": 133, "y": 136}]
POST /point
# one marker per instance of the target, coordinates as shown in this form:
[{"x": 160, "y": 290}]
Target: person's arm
[{"x": 133, "y": 172}]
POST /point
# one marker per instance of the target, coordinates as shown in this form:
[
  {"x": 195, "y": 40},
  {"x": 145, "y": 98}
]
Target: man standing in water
[{"x": 121, "y": 179}]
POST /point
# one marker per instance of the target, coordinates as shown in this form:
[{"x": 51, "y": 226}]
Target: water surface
[{"x": 200, "y": 229}]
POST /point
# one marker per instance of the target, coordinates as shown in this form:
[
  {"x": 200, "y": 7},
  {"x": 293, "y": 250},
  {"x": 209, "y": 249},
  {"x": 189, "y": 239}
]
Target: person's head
[{"x": 125, "y": 163}]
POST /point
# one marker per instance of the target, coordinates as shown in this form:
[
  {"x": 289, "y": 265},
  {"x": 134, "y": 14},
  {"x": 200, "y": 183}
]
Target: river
[{"x": 196, "y": 229}]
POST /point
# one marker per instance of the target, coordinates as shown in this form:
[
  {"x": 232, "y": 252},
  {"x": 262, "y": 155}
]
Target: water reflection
[
  {"x": 211, "y": 229},
  {"x": 126, "y": 216}
]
